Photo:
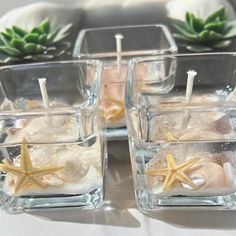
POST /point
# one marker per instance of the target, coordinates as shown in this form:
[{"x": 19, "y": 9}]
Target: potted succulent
[
  {"x": 199, "y": 31},
  {"x": 46, "y": 36}
]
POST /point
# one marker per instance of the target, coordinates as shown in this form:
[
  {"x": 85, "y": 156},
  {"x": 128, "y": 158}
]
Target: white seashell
[
  {"x": 198, "y": 135},
  {"x": 74, "y": 169},
  {"x": 39, "y": 129},
  {"x": 229, "y": 173},
  {"x": 20, "y": 123},
  {"x": 224, "y": 157},
  {"x": 211, "y": 172},
  {"x": 223, "y": 125},
  {"x": 197, "y": 179}
]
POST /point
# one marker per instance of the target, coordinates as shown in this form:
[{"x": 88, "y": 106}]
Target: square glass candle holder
[
  {"x": 114, "y": 46},
  {"x": 52, "y": 151},
  {"x": 182, "y": 136}
]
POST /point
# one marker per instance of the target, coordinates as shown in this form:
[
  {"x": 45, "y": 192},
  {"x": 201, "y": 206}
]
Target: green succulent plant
[
  {"x": 203, "y": 35},
  {"x": 40, "y": 44}
]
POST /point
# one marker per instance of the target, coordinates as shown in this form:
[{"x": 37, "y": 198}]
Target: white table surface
[{"x": 118, "y": 216}]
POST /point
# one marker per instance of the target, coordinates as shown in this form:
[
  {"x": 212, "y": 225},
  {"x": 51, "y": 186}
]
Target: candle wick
[
  {"x": 189, "y": 88},
  {"x": 119, "y": 38},
  {"x": 188, "y": 96},
  {"x": 44, "y": 93}
]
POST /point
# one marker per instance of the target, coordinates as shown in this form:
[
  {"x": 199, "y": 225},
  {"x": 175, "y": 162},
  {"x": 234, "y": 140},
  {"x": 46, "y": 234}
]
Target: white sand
[{"x": 82, "y": 166}]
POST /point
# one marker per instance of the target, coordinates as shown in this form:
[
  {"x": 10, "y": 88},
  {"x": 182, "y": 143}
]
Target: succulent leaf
[
  {"x": 39, "y": 57},
  {"x": 19, "y": 31},
  {"x": 4, "y": 40},
  {"x": 198, "y": 48},
  {"x": 37, "y": 30},
  {"x": 11, "y": 32},
  {"x": 31, "y": 38},
  {"x": 214, "y": 36},
  {"x": 216, "y": 26},
  {"x": 189, "y": 21},
  {"x": 7, "y": 36},
  {"x": 185, "y": 32},
  {"x": 40, "y": 49},
  {"x": 40, "y": 43},
  {"x": 181, "y": 37},
  {"x": 62, "y": 33},
  {"x": 222, "y": 44},
  {"x": 51, "y": 37},
  {"x": 17, "y": 43},
  {"x": 42, "y": 39},
  {"x": 30, "y": 48},
  {"x": 198, "y": 24},
  {"x": 230, "y": 30},
  {"x": 204, "y": 35},
  {"x": 220, "y": 14},
  {"x": 45, "y": 26},
  {"x": 10, "y": 51}
]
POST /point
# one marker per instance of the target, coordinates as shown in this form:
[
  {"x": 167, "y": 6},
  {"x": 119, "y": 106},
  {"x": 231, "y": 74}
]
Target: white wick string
[
  {"x": 44, "y": 92},
  {"x": 188, "y": 95},
  {"x": 119, "y": 38},
  {"x": 189, "y": 88}
]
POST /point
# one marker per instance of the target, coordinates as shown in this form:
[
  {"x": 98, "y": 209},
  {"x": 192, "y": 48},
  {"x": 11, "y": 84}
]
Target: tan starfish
[
  {"x": 114, "y": 114},
  {"x": 174, "y": 173},
  {"x": 170, "y": 137},
  {"x": 26, "y": 173}
]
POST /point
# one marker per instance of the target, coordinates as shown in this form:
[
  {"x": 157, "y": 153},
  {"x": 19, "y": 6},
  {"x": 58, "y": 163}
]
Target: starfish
[
  {"x": 114, "y": 114},
  {"x": 170, "y": 137},
  {"x": 26, "y": 173},
  {"x": 174, "y": 173}
]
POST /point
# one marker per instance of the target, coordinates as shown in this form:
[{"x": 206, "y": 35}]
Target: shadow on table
[
  {"x": 119, "y": 198},
  {"x": 198, "y": 219}
]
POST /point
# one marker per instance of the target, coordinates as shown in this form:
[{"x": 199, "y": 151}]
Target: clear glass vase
[
  {"x": 100, "y": 43},
  {"x": 136, "y": 40},
  {"x": 52, "y": 151},
  {"x": 183, "y": 142}
]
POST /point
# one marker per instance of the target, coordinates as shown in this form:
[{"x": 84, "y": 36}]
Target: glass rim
[
  {"x": 179, "y": 55},
  {"x": 38, "y": 64},
  {"x": 95, "y": 88},
  {"x": 78, "y": 44},
  {"x": 130, "y": 103}
]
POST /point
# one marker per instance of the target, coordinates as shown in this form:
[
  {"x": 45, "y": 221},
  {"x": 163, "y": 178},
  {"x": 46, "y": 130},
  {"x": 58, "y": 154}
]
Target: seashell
[
  {"x": 20, "y": 123},
  {"x": 37, "y": 129},
  {"x": 224, "y": 157},
  {"x": 211, "y": 172},
  {"x": 223, "y": 125},
  {"x": 52, "y": 180},
  {"x": 200, "y": 134},
  {"x": 197, "y": 179},
  {"x": 202, "y": 156},
  {"x": 229, "y": 174}
]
